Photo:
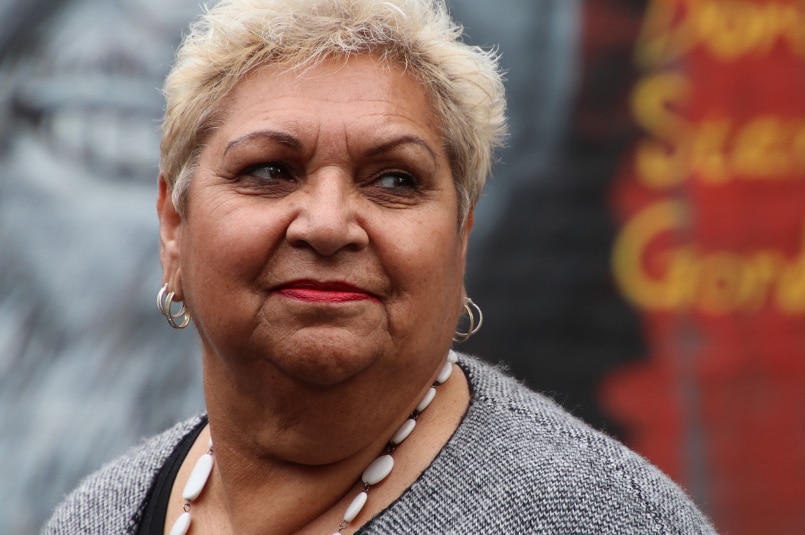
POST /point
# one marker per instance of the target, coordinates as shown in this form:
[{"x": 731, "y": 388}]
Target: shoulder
[
  {"x": 112, "y": 499},
  {"x": 567, "y": 473},
  {"x": 520, "y": 463}
]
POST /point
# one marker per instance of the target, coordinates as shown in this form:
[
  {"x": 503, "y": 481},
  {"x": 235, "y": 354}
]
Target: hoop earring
[
  {"x": 473, "y": 327},
  {"x": 179, "y": 320}
]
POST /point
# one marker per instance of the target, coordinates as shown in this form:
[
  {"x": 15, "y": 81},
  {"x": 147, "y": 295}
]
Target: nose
[{"x": 327, "y": 218}]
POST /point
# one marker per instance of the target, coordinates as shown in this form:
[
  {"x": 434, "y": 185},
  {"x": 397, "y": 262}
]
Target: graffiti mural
[
  {"x": 639, "y": 253},
  {"x": 87, "y": 367}
]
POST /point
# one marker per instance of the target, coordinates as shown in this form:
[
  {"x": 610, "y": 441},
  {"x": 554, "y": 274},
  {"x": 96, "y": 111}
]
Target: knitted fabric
[{"x": 518, "y": 463}]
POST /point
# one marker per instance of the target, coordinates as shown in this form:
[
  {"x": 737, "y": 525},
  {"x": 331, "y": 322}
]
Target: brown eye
[
  {"x": 268, "y": 172},
  {"x": 397, "y": 181}
]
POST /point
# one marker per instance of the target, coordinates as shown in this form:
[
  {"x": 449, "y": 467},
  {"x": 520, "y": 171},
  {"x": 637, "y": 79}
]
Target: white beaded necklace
[{"x": 376, "y": 472}]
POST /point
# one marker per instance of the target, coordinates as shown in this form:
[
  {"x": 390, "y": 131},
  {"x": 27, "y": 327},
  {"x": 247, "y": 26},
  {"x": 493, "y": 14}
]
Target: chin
[{"x": 325, "y": 363}]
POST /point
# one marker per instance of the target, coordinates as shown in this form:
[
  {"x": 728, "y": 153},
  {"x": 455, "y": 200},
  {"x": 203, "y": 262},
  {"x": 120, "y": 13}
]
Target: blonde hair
[{"x": 235, "y": 37}]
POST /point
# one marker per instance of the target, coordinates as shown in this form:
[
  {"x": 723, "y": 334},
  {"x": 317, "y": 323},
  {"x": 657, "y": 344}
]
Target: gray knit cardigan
[{"x": 517, "y": 464}]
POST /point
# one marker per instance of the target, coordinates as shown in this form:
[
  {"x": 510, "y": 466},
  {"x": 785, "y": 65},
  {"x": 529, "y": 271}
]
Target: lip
[{"x": 324, "y": 291}]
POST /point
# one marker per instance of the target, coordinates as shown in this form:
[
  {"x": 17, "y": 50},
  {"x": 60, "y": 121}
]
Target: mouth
[{"x": 324, "y": 292}]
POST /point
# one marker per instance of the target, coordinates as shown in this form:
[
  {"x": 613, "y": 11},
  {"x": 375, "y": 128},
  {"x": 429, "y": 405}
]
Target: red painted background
[{"x": 710, "y": 208}]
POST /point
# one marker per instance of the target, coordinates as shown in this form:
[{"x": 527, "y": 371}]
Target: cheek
[
  {"x": 225, "y": 246},
  {"x": 429, "y": 272},
  {"x": 453, "y": 262}
]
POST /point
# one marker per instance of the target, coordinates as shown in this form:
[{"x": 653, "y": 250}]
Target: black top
[{"x": 156, "y": 505}]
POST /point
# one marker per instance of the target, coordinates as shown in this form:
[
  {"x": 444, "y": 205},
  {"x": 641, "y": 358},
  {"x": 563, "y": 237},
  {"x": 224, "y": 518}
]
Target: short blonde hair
[{"x": 235, "y": 37}]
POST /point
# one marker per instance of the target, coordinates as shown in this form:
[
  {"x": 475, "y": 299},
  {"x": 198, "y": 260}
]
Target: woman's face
[{"x": 320, "y": 244}]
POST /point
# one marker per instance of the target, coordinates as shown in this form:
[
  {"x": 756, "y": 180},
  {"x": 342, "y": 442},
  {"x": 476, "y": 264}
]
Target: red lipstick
[{"x": 323, "y": 292}]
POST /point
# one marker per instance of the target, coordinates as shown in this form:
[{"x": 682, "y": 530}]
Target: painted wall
[{"x": 638, "y": 253}]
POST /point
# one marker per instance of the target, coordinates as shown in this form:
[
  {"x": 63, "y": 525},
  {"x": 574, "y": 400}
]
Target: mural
[
  {"x": 638, "y": 253},
  {"x": 711, "y": 251},
  {"x": 87, "y": 368}
]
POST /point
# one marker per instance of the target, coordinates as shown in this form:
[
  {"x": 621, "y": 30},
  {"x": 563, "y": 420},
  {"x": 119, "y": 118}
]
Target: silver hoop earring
[
  {"x": 473, "y": 327},
  {"x": 180, "y": 319}
]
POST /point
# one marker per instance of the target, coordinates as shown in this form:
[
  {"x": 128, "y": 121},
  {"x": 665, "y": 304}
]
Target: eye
[
  {"x": 397, "y": 180},
  {"x": 268, "y": 172}
]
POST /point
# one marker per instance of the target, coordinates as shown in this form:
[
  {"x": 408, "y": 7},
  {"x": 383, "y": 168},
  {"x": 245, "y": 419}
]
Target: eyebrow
[
  {"x": 294, "y": 144},
  {"x": 273, "y": 135},
  {"x": 403, "y": 140}
]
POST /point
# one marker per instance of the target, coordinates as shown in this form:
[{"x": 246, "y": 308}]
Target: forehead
[{"x": 359, "y": 96}]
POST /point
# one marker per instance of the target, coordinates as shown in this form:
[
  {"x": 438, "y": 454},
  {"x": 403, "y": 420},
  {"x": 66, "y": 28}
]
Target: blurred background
[{"x": 639, "y": 253}]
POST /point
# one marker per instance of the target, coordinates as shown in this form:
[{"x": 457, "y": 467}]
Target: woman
[{"x": 320, "y": 164}]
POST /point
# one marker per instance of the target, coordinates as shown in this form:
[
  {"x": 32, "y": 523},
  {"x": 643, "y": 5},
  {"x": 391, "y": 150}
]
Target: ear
[{"x": 170, "y": 239}]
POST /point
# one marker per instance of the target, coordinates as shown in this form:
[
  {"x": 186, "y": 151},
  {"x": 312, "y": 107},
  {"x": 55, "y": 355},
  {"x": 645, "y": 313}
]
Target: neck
[{"x": 253, "y": 490}]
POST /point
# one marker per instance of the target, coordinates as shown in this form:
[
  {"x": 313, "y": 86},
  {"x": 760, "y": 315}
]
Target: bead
[
  {"x": 198, "y": 477},
  {"x": 444, "y": 375},
  {"x": 426, "y": 400},
  {"x": 403, "y": 432},
  {"x": 355, "y": 507},
  {"x": 452, "y": 356},
  {"x": 181, "y": 525},
  {"x": 378, "y": 470}
]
